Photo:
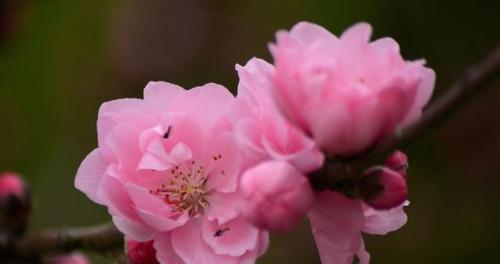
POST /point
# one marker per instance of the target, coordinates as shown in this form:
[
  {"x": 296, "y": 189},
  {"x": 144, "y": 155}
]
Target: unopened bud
[
  {"x": 398, "y": 162},
  {"x": 141, "y": 252},
  {"x": 383, "y": 188},
  {"x": 15, "y": 204},
  {"x": 276, "y": 196}
]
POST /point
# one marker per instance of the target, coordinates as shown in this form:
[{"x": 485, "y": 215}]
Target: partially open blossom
[
  {"x": 167, "y": 169},
  {"x": 141, "y": 252},
  {"x": 276, "y": 195},
  {"x": 347, "y": 92},
  {"x": 398, "y": 162},
  {"x": 74, "y": 258},
  {"x": 15, "y": 204},
  {"x": 383, "y": 188},
  {"x": 262, "y": 132}
]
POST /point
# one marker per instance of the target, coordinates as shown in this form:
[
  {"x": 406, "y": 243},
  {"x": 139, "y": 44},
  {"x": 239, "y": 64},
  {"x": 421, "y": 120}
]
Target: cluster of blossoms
[{"x": 200, "y": 176}]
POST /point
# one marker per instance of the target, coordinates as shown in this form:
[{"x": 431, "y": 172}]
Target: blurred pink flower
[
  {"x": 167, "y": 168},
  {"x": 15, "y": 204},
  {"x": 74, "y": 258},
  {"x": 347, "y": 92},
  {"x": 11, "y": 184},
  {"x": 277, "y": 196}
]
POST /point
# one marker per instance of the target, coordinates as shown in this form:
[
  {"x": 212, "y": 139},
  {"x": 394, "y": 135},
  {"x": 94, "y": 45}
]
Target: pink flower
[
  {"x": 75, "y": 258},
  {"x": 277, "y": 196},
  {"x": 167, "y": 169},
  {"x": 141, "y": 252},
  {"x": 347, "y": 92}
]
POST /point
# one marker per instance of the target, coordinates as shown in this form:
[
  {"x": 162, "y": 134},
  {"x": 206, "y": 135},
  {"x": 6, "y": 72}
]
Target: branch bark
[{"x": 102, "y": 238}]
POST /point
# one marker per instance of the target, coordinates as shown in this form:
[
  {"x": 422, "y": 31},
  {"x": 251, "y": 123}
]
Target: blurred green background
[{"x": 59, "y": 60}]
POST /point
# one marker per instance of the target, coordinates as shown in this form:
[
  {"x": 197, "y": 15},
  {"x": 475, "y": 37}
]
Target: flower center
[{"x": 187, "y": 189}]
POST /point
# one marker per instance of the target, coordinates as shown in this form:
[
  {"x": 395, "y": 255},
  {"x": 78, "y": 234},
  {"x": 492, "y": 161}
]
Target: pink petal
[
  {"x": 357, "y": 34},
  {"x": 164, "y": 251},
  {"x": 153, "y": 210},
  {"x": 233, "y": 238},
  {"x": 89, "y": 175},
  {"x": 251, "y": 256},
  {"x": 223, "y": 207},
  {"x": 189, "y": 246},
  {"x": 206, "y": 104},
  {"x": 223, "y": 172},
  {"x": 383, "y": 222},
  {"x": 307, "y": 33},
  {"x": 132, "y": 229},
  {"x": 161, "y": 94},
  {"x": 337, "y": 222}
]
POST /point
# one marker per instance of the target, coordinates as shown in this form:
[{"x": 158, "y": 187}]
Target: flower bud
[
  {"x": 398, "y": 162},
  {"x": 15, "y": 204},
  {"x": 141, "y": 252},
  {"x": 276, "y": 196},
  {"x": 383, "y": 188}
]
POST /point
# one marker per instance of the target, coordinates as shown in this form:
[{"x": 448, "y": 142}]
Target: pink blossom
[
  {"x": 74, "y": 258},
  {"x": 167, "y": 169},
  {"x": 277, "y": 196},
  {"x": 383, "y": 188},
  {"x": 347, "y": 92}
]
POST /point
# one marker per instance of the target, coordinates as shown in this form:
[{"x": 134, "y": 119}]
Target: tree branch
[
  {"x": 340, "y": 174},
  {"x": 102, "y": 238}
]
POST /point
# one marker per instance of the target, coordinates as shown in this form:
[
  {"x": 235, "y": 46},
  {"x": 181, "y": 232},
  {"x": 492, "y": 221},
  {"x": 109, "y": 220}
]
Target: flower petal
[{"x": 337, "y": 222}]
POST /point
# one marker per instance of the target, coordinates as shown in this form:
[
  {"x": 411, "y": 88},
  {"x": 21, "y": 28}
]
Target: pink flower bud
[
  {"x": 276, "y": 196},
  {"x": 398, "y": 162},
  {"x": 383, "y": 188},
  {"x": 15, "y": 204},
  {"x": 75, "y": 258},
  {"x": 141, "y": 252}
]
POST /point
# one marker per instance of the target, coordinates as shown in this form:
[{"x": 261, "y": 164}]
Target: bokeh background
[{"x": 59, "y": 60}]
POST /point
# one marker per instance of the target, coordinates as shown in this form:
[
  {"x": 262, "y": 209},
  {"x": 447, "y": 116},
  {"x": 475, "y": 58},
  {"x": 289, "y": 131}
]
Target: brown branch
[
  {"x": 103, "y": 238},
  {"x": 341, "y": 174}
]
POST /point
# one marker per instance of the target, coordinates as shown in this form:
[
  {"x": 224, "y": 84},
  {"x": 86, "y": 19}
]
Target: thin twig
[{"x": 101, "y": 238}]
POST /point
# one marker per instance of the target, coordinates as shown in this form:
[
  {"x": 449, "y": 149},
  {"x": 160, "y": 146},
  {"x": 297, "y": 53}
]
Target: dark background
[{"x": 60, "y": 59}]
